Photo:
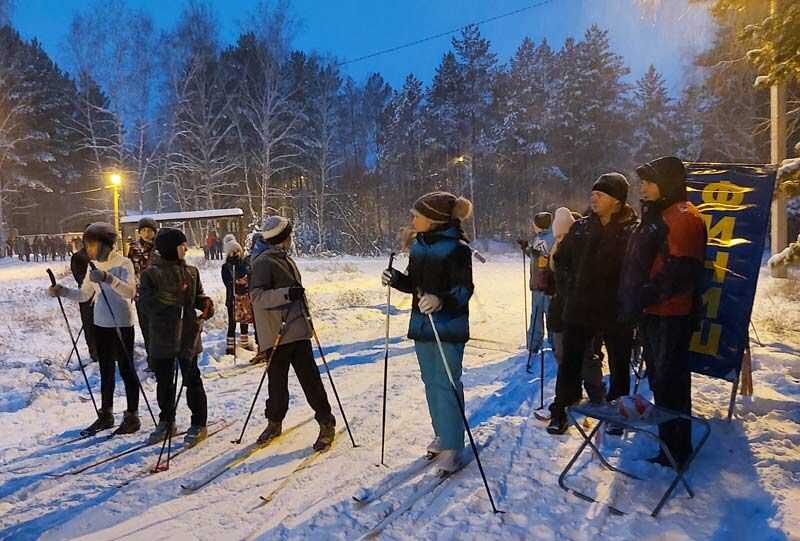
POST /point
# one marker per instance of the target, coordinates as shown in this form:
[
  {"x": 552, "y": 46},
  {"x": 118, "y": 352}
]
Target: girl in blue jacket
[{"x": 439, "y": 276}]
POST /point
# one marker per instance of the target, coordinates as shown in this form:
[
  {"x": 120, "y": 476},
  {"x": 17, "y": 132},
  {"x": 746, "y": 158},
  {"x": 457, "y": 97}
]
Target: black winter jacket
[
  {"x": 589, "y": 260},
  {"x": 166, "y": 287},
  {"x": 240, "y": 266}
]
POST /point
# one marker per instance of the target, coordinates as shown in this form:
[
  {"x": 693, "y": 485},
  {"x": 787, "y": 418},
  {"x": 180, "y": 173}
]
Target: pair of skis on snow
[
  {"x": 253, "y": 450},
  {"x": 429, "y": 485}
]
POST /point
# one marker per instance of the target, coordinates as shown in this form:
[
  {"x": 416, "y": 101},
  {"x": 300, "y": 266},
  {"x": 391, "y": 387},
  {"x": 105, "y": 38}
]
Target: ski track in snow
[{"x": 747, "y": 478}]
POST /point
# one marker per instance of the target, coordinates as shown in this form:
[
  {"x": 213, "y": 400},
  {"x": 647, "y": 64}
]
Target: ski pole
[
  {"x": 386, "y": 361},
  {"x": 128, "y": 355},
  {"x": 463, "y": 413},
  {"x": 74, "y": 348},
  {"x": 263, "y": 376},
  {"x": 327, "y": 369},
  {"x": 168, "y": 436},
  {"x": 74, "y": 343},
  {"x": 173, "y": 400}
]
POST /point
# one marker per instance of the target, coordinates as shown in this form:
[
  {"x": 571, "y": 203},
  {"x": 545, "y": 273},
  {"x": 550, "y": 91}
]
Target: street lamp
[
  {"x": 467, "y": 160},
  {"x": 116, "y": 182}
]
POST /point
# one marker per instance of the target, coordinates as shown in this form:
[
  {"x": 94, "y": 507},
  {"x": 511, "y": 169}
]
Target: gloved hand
[
  {"x": 523, "y": 244},
  {"x": 296, "y": 293},
  {"x": 208, "y": 309},
  {"x": 57, "y": 290},
  {"x": 98, "y": 276},
  {"x": 387, "y": 278},
  {"x": 429, "y": 304}
]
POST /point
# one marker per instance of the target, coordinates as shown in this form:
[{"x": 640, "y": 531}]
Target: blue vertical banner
[{"x": 735, "y": 203}]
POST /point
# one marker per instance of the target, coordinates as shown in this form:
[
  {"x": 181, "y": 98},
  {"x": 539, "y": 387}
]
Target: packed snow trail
[{"x": 746, "y": 478}]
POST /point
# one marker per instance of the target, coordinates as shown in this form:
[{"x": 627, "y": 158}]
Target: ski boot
[
  {"x": 558, "y": 424},
  {"x": 105, "y": 420},
  {"x": 450, "y": 461},
  {"x": 161, "y": 431},
  {"x": 272, "y": 431},
  {"x": 195, "y": 435},
  {"x": 130, "y": 423},
  {"x": 245, "y": 343},
  {"x": 434, "y": 448},
  {"x": 260, "y": 357},
  {"x": 327, "y": 431}
]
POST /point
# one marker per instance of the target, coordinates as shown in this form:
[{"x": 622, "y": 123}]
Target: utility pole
[{"x": 779, "y": 233}]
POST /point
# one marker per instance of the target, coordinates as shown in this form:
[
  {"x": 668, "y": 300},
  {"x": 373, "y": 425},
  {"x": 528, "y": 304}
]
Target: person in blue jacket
[{"x": 439, "y": 276}]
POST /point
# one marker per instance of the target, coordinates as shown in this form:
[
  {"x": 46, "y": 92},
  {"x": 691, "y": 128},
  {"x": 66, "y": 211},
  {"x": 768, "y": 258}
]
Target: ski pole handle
[
  {"x": 52, "y": 277},
  {"x": 391, "y": 259}
]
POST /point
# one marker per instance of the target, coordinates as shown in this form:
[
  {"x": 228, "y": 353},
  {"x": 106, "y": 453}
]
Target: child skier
[
  {"x": 170, "y": 293},
  {"x": 541, "y": 283},
  {"x": 113, "y": 276},
  {"x": 235, "y": 276},
  {"x": 439, "y": 276},
  {"x": 279, "y": 305}
]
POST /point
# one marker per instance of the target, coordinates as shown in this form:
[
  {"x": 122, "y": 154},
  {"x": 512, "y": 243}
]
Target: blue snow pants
[
  {"x": 444, "y": 409},
  {"x": 540, "y": 304}
]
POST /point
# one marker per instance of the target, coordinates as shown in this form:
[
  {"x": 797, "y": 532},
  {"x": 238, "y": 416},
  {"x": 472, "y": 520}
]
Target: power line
[{"x": 443, "y": 34}]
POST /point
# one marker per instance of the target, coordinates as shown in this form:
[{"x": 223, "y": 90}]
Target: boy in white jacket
[{"x": 114, "y": 275}]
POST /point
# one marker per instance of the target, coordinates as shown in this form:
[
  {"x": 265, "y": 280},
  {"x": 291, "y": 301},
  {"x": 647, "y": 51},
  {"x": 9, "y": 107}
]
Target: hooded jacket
[
  {"x": 440, "y": 263},
  {"x": 589, "y": 262},
  {"x": 168, "y": 288}
]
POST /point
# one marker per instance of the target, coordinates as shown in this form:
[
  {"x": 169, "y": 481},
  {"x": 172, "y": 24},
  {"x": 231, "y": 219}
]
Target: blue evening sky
[{"x": 665, "y": 37}]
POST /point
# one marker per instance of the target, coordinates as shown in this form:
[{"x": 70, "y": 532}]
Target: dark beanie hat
[
  {"x": 543, "y": 220},
  {"x": 147, "y": 222},
  {"x": 167, "y": 242},
  {"x": 442, "y": 207},
  {"x": 613, "y": 184},
  {"x": 668, "y": 172}
]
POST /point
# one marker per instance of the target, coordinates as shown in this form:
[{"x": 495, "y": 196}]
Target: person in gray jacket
[{"x": 280, "y": 313}]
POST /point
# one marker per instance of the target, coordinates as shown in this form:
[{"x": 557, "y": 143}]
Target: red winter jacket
[{"x": 686, "y": 239}]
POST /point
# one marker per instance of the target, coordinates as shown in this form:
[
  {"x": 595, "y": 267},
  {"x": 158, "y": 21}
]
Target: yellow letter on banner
[
  {"x": 719, "y": 265},
  {"x": 711, "y": 346},
  {"x": 712, "y": 298}
]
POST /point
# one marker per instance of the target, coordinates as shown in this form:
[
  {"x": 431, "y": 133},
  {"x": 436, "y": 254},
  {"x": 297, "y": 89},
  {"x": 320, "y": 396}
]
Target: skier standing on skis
[
  {"x": 236, "y": 265},
  {"x": 591, "y": 255},
  {"x": 278, "y": 298},
  {"x": 169, "y": 294},
  {"x": 114, "y": 275},
  {"x": 439, "y": 276},
  {"x": 140, "y": 253},
  {"x": 662, "y": 278},
  {"x": 541, "y": 278}
]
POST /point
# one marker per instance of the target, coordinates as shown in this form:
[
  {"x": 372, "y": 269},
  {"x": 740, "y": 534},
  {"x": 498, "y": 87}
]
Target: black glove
[
  {"x": 523, "y": 244},
  {"x": 296, "y": 293}
]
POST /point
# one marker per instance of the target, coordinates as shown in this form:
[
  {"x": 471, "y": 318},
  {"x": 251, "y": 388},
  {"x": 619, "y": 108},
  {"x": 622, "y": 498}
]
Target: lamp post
[
  {"x": 467, "y": 161},
  {"x": 116, "y": 182},
  {"x": 779, "y": 237}
]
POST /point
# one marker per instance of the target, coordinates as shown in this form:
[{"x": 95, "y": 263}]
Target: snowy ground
[{"x": 747, "y": 479}]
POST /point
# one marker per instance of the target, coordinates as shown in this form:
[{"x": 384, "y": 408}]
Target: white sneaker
[
  {"x": 451, "y": 460},
  {"x": 435, "y": 447}
]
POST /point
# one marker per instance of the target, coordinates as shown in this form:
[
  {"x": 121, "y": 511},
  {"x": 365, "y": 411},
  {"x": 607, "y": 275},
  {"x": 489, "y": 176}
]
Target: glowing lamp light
[{"x": 116, "y": 179}]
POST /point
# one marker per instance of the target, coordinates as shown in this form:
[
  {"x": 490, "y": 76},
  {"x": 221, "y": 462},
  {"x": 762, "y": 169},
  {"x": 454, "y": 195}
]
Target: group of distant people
[{"x": 41, "y": 248}]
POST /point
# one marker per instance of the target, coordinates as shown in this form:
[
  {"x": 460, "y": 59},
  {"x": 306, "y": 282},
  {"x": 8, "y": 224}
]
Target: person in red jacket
[{"x": 661, "y": 288}]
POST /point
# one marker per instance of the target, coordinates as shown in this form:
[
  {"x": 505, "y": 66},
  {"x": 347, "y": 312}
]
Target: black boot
[
  {"x": 105, "y": 420},
  {"x": 195, "y": 435},
  {"x": 558, "y": 423},
  {"x": 327, "y": 431},
  {"x": 272, "y": 431},
  {"x": 161, "y": 431},
  {"x": 130, "y": 423}
]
